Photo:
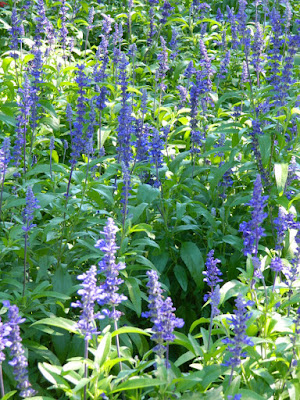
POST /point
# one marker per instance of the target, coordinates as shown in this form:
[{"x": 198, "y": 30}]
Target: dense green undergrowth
[{"x": 181, "y": 123}]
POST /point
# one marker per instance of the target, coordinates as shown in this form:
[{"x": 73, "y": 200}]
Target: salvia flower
[
  {"x": 183, "y": 95},
  {"x": 5, "y": 330},
  {"x": 106, "y": 24},
  {"x": 281, "y": 224},
  {"x": 155, "y": 151},
  {"x": 166, "y": 11},
  {"x": 91, "y": 18},
  {"x": 212, "y": 272},
  {"x": 144, "y": 102},
  {"x": 126, "y": 188},
  {"x": 63, "y": 33},
  {"x": 125, "y": 126},
  {"x": 174, "y": 45},
  {"x": 257, "y": 49},
  {"x": 19, "y": 361},
  {"x": 252, "y": 230},
  {"x": 22, "y": 121},
  {"x": 89, "y": 293},
  {"x": 52, "y": 145},
  {"x": 245, "y": 76},
  {"x": 219, "y": 15},
  {"x": 205, "y": 60},
  {"x": 77, "y": 134},
  {"x": 142, "y": 141},
  {"x": 152, "y": 30},
  {"x": 31, "y": 206},
  {"x": 234, "y": 31},
  {"x": 215, "y": 298},
  {"x": 108, "y": 294},
  {"x": 15, "y": 33},
  {"x": 4, "y": 157},
  {"x": 166, "y": 322},
  {"x": 224, "y": 66},
  {"x": 277, "y": 265},
  {"x": 41, "y": 22},
  {"x": 240, "y": 339},
  {"x": 36, "y": 71},
  {"x": 274, "y": 52},
  {"x": 242, "y": 17},
  {"x": 293, "y": 175},
  {"x": 190, "y": 70},
  {"x": 163, "y": 59},
  {"x": 161, "y": 313}
]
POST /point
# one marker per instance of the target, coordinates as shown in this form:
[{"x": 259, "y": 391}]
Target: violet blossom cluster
[
  {"x": 240, "y": 339},
  {"x": 253, "y": 230},
  {"x": 161, "y": 313},
  {"x": 125, "y": 126},
  {"x": 212, "y": 278},
  {"x": 22, "y": 122},
  {"x": 108, "y": 294},
  {"x": 63, "y": 33},
  {"x": 4, "y": 157},
  {"x": 89, "y": 293},
  {"x": 78, "y": 142},
  {"x": 28, "y": 212},
  {"x": 19, "y": 361},
  {"x": 155, "y": 152},
  {"x": 224, "y": 66},
  {"x": 282, "y": 223},
  {"x": 15, "y": 33},
  {"x": 5, "y": 330},
  {"x": 166, "y": 11}
]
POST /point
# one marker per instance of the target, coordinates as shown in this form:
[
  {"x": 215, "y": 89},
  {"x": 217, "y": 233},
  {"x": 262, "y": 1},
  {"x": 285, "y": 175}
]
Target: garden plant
[{"x": 149, "y": 200}]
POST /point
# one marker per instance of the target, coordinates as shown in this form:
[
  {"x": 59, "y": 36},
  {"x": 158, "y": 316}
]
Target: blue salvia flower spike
[
  {"x": 161, "y": 313},
  {"x": 240, "y": 339},
  {"x": 19, "y": 361}
]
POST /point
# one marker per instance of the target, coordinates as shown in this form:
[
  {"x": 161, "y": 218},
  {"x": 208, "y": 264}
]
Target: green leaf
[
  {"x": 281, "y": 174},
  {"x": 181, "y": 276},
  {"x": 147, "y": 193},
  {"x": 134, "y": 294},
  {"x": 265, "y": 148},
  {"x": 52, "y": 374},
  {"x": 103, "y": 349},
  {"x": 8, "y": 120},
  {"x": 10, "y": 394},
  {"x": 62, "y": 281},
  {"x": 59, "y": 322},
  {"x": 129, "y": 329},
  {"x": 138, "y": 383},
  {"x": 100, "y": 192},
  {"x": 249, "y": 395},
  {"x": 199, "y": 321},
  {"x": 193, "y": 259},
  {"x": 38, "y": 398},
  {"x": 235, "y": 241}
]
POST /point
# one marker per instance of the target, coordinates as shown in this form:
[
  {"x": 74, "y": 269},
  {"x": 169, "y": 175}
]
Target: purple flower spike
[
  {"x": 282, "y": 223},
  {"x": 240, "y": 339},
  {"x": 19, "y": 361},
  {"x": 4, "y": 157},
  {"x": 212, "y": 272},
  {"x": 277, "y": 265},
  {"x": 5, "y": 330},
  {"x": 31, "y": 206},
  {"x": 108, "y": 291},
  {"x": 89, "y": 293},
  {"x": 161, "y": 313},
  {"x": 252, "y": 230}
]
